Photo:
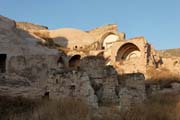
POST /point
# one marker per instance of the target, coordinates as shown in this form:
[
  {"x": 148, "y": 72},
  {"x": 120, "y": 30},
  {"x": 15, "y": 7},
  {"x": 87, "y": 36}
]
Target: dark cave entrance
[
  {"x": 3, "y": 63},
  {"x": 74, "y": 61}
]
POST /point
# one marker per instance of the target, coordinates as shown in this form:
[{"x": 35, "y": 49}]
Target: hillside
[
  {"x": 170, "y": 52},
  {"x": 27, "y": 25}
]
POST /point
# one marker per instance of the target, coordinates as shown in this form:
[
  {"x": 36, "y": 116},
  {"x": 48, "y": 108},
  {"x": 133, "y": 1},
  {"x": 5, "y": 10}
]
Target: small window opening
[
  {"x": 3, "y": 63},
  {"x": 46, "y": 95},
  {"x": 72, "y": 87},
  {"x": 75, "y": 47}
]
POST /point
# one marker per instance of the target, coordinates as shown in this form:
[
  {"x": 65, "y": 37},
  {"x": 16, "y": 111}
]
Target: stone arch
[
  {"x": 107, "y": 39},
  {"x": 128, "y": 51},
  {"x": 74, "y": 61}
]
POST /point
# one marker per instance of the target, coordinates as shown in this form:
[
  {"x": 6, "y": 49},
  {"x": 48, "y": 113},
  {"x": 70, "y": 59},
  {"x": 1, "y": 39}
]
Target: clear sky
[{"x": 157, "y": 20}]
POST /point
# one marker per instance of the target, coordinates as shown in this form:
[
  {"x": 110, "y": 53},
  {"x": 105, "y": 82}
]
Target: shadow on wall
[
  {"x": 69, "y": 62},
  {"x": 61, "y": 41}
]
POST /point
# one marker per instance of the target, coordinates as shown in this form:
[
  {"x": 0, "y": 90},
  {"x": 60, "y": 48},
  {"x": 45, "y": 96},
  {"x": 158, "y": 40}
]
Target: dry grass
[
  {"x": 158, "y": 107},
  {"x": 170, "y": 52},
  {"x": 162, "y": 76},
  {"x": 10, "y": 107},
  {"x": 26, "y": 109},
  {"x": 65, "y": 109}
]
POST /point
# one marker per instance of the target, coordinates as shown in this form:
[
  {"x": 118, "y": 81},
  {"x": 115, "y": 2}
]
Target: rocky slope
[
  {"x": 170, "y": 52},
  {"x": 28, "y": 26}
]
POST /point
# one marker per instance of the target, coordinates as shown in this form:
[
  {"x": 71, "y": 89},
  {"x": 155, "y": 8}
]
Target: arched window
[{"x": 128, "y": 51}]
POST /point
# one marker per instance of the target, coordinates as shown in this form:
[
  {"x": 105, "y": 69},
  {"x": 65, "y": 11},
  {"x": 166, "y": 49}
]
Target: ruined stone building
[
  {"x": 99, "y": 65},
  {"x": 129, "y": 56}
]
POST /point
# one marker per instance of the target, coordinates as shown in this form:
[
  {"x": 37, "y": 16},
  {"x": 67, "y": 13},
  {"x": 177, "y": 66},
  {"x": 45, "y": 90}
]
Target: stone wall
[
  {"x": 172, "y": 64},
  {"x": 124, "y": 91},
  {"x": 71, "y": 84},
  {"x": 15, "y": 86},
  {"x": 99, "y": 32},
  {"x": 132, "y": 91}
]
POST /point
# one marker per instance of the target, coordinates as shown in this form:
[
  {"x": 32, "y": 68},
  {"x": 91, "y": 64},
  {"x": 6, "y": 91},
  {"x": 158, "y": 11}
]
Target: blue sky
[{"x": 157, "y": 20}]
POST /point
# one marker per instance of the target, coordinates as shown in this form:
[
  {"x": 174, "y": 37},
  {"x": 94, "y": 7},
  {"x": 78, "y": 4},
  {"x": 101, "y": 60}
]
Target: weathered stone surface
[
  {"x": 14, "y": 85},
  {"x": 133, "y": 92},
  {"x": 103, "y": 78},
  {"x": 32, "y": 69},
  {"x": 30, "y": 26},
  {"x": 71, "y": 84},
  {"x": 24, "y": 56}
]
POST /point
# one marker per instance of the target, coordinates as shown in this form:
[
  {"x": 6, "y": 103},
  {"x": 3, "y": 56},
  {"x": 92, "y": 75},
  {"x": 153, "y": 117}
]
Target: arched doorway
[
  {"x": 108, "y": 40},
  {"x": 128, "y": 51},
  {"x": 74, "y": 61}
]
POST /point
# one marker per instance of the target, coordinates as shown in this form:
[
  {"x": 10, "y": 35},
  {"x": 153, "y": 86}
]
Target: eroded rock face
[
  {"x": 127, "y": 91},
  {"x": 133, "y": 91},
  {"x": 103, "y": 78},
  {"x": 71, "y": 84},
  {"x": 31, "y": 70},
  {"x": 14, "y": 85},
  {"x": 23, "y": 62},
  {"x": 30, "y": 26}
]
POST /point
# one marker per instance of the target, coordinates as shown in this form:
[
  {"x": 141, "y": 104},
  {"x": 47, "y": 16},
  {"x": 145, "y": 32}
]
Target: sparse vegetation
[
  {"x": 160, "y": 74},
  {"x": 35, "y": 109},
  {"x": 170, "y": 52},
  {"x": 157, "y": 107}
]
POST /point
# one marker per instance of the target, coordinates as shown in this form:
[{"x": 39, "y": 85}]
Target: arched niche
[
  {"x": 108, "y": 40},
  {"x": 74, "y": 61},
  {"x": 128, "y": 51}
]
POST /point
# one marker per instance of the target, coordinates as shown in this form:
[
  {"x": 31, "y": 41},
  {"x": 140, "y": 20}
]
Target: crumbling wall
[
  {"x": 132, "y": 91},
  {"x": 71, "y": 84},
  {"x": 14, "y": 85},
  {"x": 99, "y": 32},
  {"x": 32, "y": 67},
  {"x": 172, "y": 64},
  {"x": 103, "y": 78},
  {"x": 110, "y": 87}
]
